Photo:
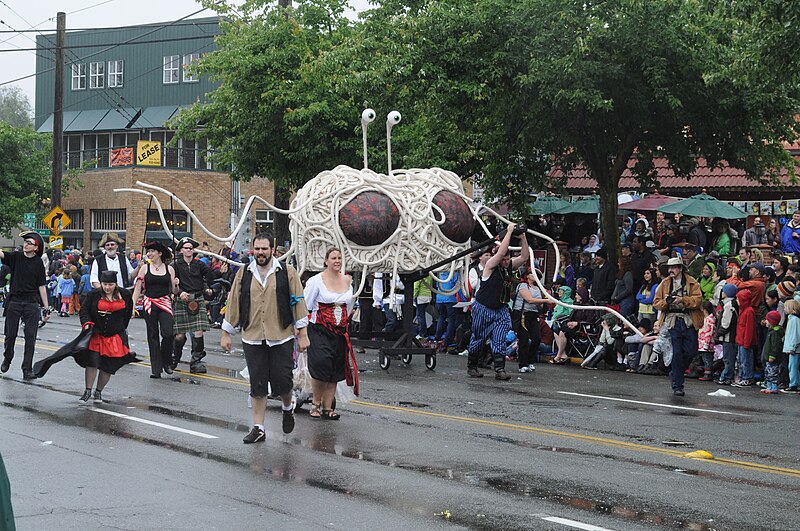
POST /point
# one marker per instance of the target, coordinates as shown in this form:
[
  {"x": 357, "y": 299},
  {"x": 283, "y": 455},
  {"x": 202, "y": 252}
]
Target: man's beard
[{"x": 262, "y": 260}]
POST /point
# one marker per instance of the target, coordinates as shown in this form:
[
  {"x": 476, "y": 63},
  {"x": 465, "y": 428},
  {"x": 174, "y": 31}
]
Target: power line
[
  {"x": 110, "y": 29},
  {"x": 81, "y": 46},
  {"x": 105, "y": 49},
  {"x": 89, "y": 7}
]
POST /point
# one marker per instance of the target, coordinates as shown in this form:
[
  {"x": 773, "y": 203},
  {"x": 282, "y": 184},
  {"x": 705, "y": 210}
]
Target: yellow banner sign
[
  {"x": 148, "y": 153},
  {"x": 56, "y": 242}
]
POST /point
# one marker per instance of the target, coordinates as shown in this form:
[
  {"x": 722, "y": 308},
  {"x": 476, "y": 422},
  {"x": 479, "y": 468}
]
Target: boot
[
  {"x": 177, "y": 352},
  {"x": 196, "y": 366}
]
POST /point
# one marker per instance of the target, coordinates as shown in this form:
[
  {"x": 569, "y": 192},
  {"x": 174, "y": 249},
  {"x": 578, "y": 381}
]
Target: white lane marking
[
  {"x": 670, "y": 406},
  {"x": 573, "y": 523},
  {"x": 152, "y": 423}
]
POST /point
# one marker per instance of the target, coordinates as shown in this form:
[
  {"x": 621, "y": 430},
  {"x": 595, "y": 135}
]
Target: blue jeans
[
  {"x": 449, "y": 319},
  {"x": 684, "y": 346},
  {"x": 794, "y": 370},
  {"x": 729, "y": 357},
  {"x": 421, "y": 328},
  {"x": 627, "y": 307},
  {"x": 391, "y": 319},
  {"x": 745, "y": 363}
]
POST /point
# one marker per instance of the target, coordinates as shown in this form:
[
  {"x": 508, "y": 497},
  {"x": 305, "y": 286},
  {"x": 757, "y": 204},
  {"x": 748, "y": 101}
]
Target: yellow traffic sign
[
  {"x": 57, "y": 220},
  {"x": 56, "y": 242}
]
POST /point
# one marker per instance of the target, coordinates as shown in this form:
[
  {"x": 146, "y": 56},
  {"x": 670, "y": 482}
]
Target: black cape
[{"x": 77, "y": 349}]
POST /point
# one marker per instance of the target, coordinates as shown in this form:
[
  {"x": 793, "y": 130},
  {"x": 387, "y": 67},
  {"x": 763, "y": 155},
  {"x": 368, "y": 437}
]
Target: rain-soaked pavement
[{"x": 562, "y": 448}]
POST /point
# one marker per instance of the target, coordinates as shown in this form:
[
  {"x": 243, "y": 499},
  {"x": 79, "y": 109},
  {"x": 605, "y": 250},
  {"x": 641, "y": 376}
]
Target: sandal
[
  {"x": 329, "y": 414},
  {"x": 315, "y": 412}
]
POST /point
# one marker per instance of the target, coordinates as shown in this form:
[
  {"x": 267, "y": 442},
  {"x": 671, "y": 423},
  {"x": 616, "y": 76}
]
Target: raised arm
[
  {"x": 524, "y": 256},
  {"x": 495, "y": 260}
]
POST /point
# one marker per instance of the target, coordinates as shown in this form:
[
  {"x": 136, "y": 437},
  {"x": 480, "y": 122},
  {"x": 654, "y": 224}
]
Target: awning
[
  {"x": 47, "y": 126},
  {"x": 155, "y": 117},
  {"x": 117, "y": 119},
  {"x": 85, "y": 121}
]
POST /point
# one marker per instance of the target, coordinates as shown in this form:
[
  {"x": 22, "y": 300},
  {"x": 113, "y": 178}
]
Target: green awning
[
  {"x": 117, "y": 119},
  {"x": 47, "y": 126},
  {"x": 155, "y": 117},
  {"x": 85, "y": 121}
]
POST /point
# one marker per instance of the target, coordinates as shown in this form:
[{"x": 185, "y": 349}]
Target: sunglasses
[
  {"x": 111, "y": 245},
  {"x": 29, "y": 242}
]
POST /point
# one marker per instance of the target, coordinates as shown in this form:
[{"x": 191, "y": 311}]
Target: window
[
  {"x": 188, "y": 59},
  {"x": 172, "y": 65},
  {"x": 76, "y": 217},
  {"x": 177, "y": 220},
  {"x": 79, "y": 77},
  {"x": 97, "y": 75},
  {"x": 188, "y": 153},
  {"x": 264, "y": 220},
  {"x": 108, "y": 220},
  {"x": 115, "y": 74},
  {"x": 72, "y": 151}
]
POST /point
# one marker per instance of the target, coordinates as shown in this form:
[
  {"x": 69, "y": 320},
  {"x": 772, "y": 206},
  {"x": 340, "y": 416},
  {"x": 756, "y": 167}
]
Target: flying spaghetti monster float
[{"x": 410, "y": 223}]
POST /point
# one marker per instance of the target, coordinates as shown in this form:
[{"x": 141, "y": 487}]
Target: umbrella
[
  {"x": 650, "y": 203},
  {"x": 547, "y": 205},
  {"x": 704, "y": 205},
  {"x": 587, "y": 205}
]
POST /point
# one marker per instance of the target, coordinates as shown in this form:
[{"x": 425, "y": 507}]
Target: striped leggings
[{"x": 489, "y": 324}]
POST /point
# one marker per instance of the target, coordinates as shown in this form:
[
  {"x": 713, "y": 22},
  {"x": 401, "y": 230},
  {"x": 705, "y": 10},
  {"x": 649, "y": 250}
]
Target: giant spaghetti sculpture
[{"x": 399, "y": 222}]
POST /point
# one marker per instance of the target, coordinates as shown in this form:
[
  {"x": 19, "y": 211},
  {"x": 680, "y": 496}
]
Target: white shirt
[
  {"x": 378, "y": 295},
  {"x": 275, "y": 264},
  {"x": 113, "y": 265},
  {"x": 316, "y": 292}
]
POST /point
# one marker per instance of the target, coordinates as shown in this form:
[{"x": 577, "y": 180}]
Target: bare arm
[
  {"x": 524, "y": 256},
  {"x": 495, "y": 260}
]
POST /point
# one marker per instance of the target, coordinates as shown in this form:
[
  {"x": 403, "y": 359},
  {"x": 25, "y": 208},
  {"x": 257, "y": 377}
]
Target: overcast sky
[{"x": 40, "y": 14}]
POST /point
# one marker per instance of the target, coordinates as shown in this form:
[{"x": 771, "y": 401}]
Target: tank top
[
  {"x": 496, "y": 290},
  {"x": 156, "y": 286}
]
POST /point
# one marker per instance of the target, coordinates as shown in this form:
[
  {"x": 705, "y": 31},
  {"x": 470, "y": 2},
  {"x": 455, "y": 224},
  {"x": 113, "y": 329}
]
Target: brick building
[{"x": 121, "y": 86}]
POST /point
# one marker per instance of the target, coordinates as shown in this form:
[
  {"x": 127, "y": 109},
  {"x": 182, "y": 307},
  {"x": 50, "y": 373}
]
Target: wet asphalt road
[{"x": 418, "y": 450}]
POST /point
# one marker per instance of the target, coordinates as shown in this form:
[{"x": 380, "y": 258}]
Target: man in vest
[
  {"x": 112, "y": 260},
  {"x": 27, "y": 293},
  {"x": 189, "y": 310},
  {"x": 266, "y": 303}
]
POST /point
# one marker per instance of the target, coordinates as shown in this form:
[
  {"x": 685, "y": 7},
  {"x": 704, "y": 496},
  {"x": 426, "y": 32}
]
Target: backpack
[{"x": 719, "y": 331}]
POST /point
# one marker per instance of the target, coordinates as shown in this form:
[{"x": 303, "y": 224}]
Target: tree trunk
[
  {"x": 282, "y": 195},
  {"x": 608, "y": 187}
]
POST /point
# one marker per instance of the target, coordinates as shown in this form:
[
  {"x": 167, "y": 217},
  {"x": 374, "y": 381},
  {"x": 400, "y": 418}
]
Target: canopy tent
[
  {"x": 586, "y": 205},
  {"x": 704, "y": 205},
  {"x": 650, "y": 203},
  {"x": 547, "y": 205}
]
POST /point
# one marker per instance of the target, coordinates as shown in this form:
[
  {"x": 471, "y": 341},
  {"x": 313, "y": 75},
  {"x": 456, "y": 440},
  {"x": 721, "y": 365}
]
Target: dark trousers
[
  {"x": 159, "y": 324},
  {"x": 684, "y": 347},
  {"x": 526, "y": 326},
  {"x": 367, "y": 316},
  {"x": 449, "y": 319},
  {"x": 29, "y": 313}
]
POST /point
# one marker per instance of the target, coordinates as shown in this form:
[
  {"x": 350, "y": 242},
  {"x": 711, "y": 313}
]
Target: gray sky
[{"x": 40, "y": 14}]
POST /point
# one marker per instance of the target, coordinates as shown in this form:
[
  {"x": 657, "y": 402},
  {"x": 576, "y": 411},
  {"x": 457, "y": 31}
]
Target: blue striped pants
[{"x": 488, "y": 323}]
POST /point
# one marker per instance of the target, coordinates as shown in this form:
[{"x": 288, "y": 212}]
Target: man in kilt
[{"x": 194, "y": 278}]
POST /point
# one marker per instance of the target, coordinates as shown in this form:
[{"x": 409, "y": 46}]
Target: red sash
[{"x": 334, "y": 318}]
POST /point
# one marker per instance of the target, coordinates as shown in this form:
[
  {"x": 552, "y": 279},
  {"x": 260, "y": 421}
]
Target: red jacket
[{"x": 746, "y": 326}]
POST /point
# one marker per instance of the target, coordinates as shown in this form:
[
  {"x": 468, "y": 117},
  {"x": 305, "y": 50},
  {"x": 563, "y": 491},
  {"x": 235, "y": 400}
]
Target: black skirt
[{"x": 326, "y": 354}]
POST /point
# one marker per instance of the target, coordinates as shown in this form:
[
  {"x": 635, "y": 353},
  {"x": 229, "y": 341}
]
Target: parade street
[{"x": 561, "y": 448}]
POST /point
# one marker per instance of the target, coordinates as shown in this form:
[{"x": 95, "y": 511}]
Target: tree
[
  {"x": 15, "y": 109},
  {"x": 24, "y": 173}
]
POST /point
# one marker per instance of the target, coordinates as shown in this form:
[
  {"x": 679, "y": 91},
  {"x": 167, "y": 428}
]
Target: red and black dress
[{"x": 104, "y": 343}]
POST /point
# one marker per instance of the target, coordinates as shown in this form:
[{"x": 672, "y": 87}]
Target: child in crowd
[
  {"x": 791, "y": 343},
  {"x": 66, "y": 286},
  {"x": 726, "y": 333},
  {"x": 705, "y": 341},
  {"x": 640, "y": 347},
  {"x": 746, "y": 337},
  {"x": 662, "y": 350},
  {"x": 772, "y": 352},
  {"x": 52, "y": 286}
]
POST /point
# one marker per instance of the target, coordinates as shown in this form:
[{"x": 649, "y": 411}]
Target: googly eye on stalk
[
  {"x": 367, "y": 117},
  {"x": 392, "y": 119}
]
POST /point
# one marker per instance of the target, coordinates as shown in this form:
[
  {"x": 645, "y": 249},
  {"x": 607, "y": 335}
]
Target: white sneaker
[
  {"x": 464, "y": 352},
  {"x": 531, "y": 368},
  {"x": 525, "y": 369}
]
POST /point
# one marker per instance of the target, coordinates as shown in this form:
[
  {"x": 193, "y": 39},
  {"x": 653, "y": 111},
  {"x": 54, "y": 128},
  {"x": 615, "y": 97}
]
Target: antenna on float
[
  {"x": 392, "y": 119},
  {"x": 367, "y": 117}
]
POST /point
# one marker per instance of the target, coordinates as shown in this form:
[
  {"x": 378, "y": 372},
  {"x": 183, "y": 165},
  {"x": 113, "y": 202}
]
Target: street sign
[
  {"x": 56, "y": 242},
  {"x": 29, "y": 219},
  {"x": 57, "y": 220},
  {"x": 43, "y": 232}
]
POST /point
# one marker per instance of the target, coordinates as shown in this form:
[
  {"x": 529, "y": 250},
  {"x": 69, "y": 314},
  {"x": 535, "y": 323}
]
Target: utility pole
[{"x": 58, "y": 113}]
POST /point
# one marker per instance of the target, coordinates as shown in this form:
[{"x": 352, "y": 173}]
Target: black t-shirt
[
  {"x": 194, "y": 276},
  {"x": 27, "y": 274}
]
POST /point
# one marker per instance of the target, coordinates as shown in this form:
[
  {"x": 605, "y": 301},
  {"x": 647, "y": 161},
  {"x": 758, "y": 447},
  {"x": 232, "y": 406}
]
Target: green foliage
[
  {"x": 24, "y": 173},
  {"x": 15, "y": 109}
]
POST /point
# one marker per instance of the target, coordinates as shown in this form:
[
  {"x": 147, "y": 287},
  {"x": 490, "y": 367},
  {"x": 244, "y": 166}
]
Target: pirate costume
[
  {"x": 491, "y": 320},
  {"x": 330, "y": 354},
  {"x": 190, "y": 315},
  {"x": 157, "y": 304}
]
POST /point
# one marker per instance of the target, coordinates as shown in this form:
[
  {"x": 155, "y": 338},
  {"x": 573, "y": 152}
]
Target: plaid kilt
[{"x": 184, "y": 321}]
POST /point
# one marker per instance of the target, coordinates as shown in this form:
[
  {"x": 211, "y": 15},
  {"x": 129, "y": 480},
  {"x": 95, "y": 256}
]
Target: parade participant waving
[
  {"x": 266, "y": 303},
  {"x": 329, "y": 298},
  {"x": 102, "y": 343},
  {"x": 28, "y": 291},
  {"x": 156, "y": 282}
]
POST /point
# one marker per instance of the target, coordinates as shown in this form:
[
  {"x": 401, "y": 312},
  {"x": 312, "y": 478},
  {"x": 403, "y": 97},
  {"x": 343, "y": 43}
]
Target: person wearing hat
[
  {"x": 155, "y": 283},
  {"x": 772, "y": 353},
  {"x": 726, "y": 333},
  {"x": 757, "y": 284},
  {"x": 604, "y": 278},
  {"x": 194, "y": 279},
  {"x": 694, "y": 261},
  {"x": 26, "y": 296},
  {"x": 103, "y": 342},
  {"x": 112, "y": 260},
  {"x": 678, "y": 298}
]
